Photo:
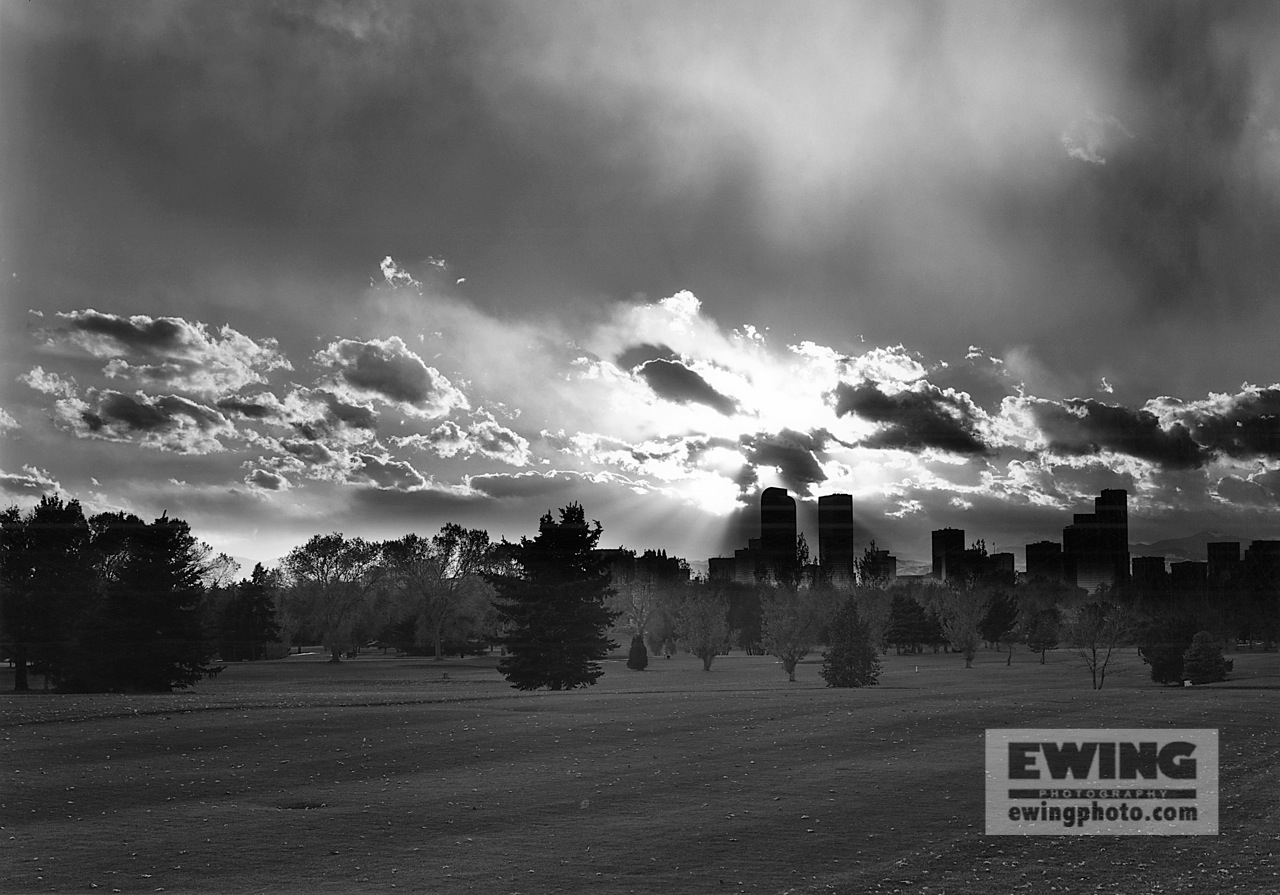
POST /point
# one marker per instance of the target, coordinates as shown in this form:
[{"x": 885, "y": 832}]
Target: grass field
[{"x": 385, "y": 774}]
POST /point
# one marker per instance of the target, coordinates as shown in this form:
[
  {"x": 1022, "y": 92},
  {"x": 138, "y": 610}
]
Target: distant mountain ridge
[{"x": 1192, "y": 548}]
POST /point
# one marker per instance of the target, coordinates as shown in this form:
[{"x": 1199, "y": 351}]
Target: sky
[{"x": 282, "y": 269}]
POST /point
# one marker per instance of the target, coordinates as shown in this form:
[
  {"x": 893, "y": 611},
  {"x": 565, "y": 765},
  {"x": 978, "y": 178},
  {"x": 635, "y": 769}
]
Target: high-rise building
[
  {"x": 948, "y": 552},
  {"x": 1224, "y": 559},
  {"x": 835, "y": 539},
  {"x": 1095, "y": 545},
  {"x": 1148, "y": 572},
  {"x": 778, "y": 531},
  {"x": 1044, "y": 560}
]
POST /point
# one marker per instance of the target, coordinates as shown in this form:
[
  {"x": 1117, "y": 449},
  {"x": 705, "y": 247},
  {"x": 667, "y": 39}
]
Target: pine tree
[
  {"x": 553, "y": 605},
  {"x": 1203, "y": 663},
  {"x": 249, "y": 621},
  {"x": 851, "y": 659},
  {"x": 46, "y": 574},
  {"x": 638, "y": 659},
  {"x": 144, "y": 633}
]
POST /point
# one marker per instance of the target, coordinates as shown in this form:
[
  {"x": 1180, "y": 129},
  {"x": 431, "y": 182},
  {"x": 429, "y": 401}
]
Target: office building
[
  {"x": 778, "y": 531},
  {"x": 948, "y": 553},
  {"x": 835, "y": 539},
  {"x": 1044, "y": 561},
  {"x": 1095, "y": 546}
]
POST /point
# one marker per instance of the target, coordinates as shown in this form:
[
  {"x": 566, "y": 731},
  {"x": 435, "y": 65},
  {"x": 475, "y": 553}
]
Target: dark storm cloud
[
  {"x": 1085, "y": 426},
  {"x": 389, "y": 370},
  {"x": 675, "y": 382},
  {"x": 1177, "y": 201},
  {"x": 640, "y": 354},
  {"x": 915, "y": 420},
  {"x": 793, "y": 454},
  {"x": 1242, "y": 425}
]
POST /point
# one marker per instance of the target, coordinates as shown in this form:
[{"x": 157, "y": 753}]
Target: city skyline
[{"x": 372, "y": 268}]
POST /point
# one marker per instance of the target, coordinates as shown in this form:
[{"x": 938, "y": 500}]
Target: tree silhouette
[
  {"x": 436, "y": 579},
  {"x": 788, "y": 626},
  {"x": 143, "y": 633},
  {"x": 249, "y": 619},
  {"x": 332, "y": 582},
  {"x": 1203, "y": 662},
  {"x": 46, "y": 576},
  {"x": 851, "y": 659},
  {"x": 702, "y": 623},
  {"x": 638, "y": 658},
  {"x": 553, "y": 605}
]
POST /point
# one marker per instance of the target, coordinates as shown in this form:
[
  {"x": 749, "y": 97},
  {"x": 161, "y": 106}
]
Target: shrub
[
  {"x": 639, "y": 657},
  {"x": 1203, "y": 662}
]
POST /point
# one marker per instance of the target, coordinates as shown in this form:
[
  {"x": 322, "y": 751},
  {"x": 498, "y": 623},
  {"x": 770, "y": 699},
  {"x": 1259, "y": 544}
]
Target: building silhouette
[
  {"x": 835, "y": 539},
  {"x": 948, "y": 553},
  {"x": 1224, "y": 560},
  {"x": 1044, "y": 561},
  {"x": 778, "y": 532},
  {"x": 1095, "y": 545}
]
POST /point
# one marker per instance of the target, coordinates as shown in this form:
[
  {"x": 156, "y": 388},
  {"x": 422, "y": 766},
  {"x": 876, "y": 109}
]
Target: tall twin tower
[{"x": 778, "y": 533}]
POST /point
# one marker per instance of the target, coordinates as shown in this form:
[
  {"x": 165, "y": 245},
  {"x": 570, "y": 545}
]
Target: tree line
[{"x": 113, "y": 603}]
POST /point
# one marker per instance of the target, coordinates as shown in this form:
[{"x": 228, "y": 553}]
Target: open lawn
[{"x": 385, "y": 774}]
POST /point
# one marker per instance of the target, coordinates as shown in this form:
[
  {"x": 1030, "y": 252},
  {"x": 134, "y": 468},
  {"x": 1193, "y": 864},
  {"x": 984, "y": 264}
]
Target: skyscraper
[
  {"x": 778, "y": 531},
  {"x": 1044, "y": 560},
  {"x": 835, "y": 539},
  {"x": 948, "y": 552},
  {"x": 1095, "y": 545}
]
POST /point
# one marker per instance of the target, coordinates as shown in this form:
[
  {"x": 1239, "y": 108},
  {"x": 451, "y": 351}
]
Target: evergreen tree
[
  {"x": 144, "y": 632},
  {"x": 1162, "y": 645},
  {"x": 1000, "y": 621},
  {"x": 851, "y": 659},
  {"x": 638, "y": 659},
  {"x": 553, "y": 604},
  {"x": 249, "y": 619},
  {"x": 46, "y": 575},
  {"x": 1203, "y": 662}
]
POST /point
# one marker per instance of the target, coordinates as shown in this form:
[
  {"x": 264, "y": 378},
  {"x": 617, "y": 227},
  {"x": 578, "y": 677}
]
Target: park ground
[{"x": 386, "y": 774}]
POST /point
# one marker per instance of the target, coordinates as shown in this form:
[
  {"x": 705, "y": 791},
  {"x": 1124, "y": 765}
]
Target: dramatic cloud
[
  {"x": 675, "y": 382},
  {"x": 170, "y": 351},
  {"x": 388, "y": 370},
  {"x": 49, "y": 383},
  {"x": 1084, "y": 426},
  {"x": 256, "y": 407},
  {"x": 638, "y": 355},
  {"x": 383, "y": 472},
  {"x": 487, "y": 438},
  {"x": 1242, "y": 425},
  {"x": 319, "y": 414},
  {"x": 914, "y": 419},
  {"x": 793, "y": 454},
  {"x": 168, "y": 422},
  {"x": 265, "y": 480}
]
